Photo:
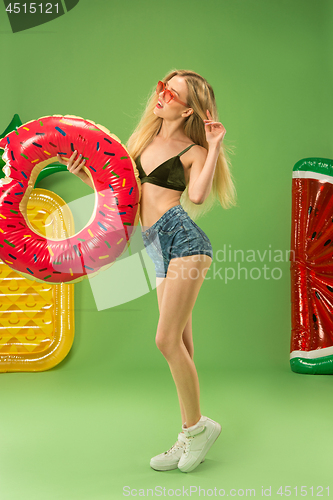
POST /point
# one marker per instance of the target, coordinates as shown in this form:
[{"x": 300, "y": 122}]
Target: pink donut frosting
[{"x": 117, "y": 190}]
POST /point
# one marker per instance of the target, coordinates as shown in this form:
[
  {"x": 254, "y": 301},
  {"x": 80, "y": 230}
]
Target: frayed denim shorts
[{"x": 174, "y": 235}]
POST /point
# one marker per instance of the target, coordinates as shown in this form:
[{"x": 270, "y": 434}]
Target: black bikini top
[{"x": 169, "y": 174}]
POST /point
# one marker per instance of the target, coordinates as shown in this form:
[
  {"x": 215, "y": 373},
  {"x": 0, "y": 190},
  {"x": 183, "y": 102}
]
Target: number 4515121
[
  {"x": 31, "y": 8},
  {"x": 303, "y": 491}
]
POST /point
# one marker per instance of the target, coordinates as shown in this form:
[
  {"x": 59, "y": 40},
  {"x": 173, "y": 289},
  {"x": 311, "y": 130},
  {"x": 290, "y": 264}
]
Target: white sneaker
[
  {"x": 169, "y": 459},
  {"x": 199, "y": 438}
]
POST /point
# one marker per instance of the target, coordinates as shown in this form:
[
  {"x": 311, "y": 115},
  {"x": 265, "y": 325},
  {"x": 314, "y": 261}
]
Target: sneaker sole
[
  {"x": 216, "y": 432},
  {"x": 163, "y": 468},
  {"x": 167, "y": 467}
]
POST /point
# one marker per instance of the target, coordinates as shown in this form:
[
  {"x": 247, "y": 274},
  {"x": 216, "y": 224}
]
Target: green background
[{"x": 89, "y": 427}]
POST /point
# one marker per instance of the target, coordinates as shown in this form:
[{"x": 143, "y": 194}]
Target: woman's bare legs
[
  {"x": 180, "y": 290},
  {"x": 187, "y": 335}
]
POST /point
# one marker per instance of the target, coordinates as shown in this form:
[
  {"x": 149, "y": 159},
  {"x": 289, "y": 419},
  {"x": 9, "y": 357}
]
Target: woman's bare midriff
[{"x": 155, "y": 201}]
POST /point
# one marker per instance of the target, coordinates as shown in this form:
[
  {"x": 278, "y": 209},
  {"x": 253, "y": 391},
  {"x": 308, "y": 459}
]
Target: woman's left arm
[{"x": 203, "y": 167}]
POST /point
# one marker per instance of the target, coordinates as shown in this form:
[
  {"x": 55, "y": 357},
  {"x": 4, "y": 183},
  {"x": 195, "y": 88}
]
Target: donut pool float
[{"x": 33, "y": 146}]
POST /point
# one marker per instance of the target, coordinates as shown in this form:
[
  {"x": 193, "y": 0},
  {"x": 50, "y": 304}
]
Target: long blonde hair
[{"x": 200, "y": 98}]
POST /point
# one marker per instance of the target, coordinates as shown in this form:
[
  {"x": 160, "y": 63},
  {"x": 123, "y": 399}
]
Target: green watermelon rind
[
  {"x": 313, "y": 366},
  {"x": 322, "y": 166}
]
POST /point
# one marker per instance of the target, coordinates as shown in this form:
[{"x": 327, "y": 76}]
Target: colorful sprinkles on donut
[{"x": 27, "y": 151}]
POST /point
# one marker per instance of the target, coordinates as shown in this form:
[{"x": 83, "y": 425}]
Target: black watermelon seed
[
  {"x": 314, "y": 317},
  {"x": 317, "y": 295},
  {"x": 329, "y": 288},
  {"x": 310, "y": 210},
  {"x": 107, "y": 140},
  {"x": 313, "y": 235},
  {"x": 327, "y": 243}
]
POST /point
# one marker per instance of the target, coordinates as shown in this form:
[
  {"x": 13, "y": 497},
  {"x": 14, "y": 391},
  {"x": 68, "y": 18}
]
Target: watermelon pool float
[{"x": 311, "y": 267}]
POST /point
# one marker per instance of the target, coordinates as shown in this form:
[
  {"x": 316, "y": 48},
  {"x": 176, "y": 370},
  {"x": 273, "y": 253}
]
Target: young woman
[{"x": 183, "y": 167}]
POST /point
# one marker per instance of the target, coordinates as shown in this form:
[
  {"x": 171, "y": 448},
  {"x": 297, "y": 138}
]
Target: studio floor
[{"x": 89, "y": 435}]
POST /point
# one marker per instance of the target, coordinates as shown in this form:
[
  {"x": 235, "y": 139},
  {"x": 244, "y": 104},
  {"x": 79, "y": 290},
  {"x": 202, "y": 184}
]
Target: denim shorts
[{"x": 174, "y": 235}]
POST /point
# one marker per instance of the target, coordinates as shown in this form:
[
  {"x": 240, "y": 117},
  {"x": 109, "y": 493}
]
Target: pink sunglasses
[{"x": 167, "y": 94}]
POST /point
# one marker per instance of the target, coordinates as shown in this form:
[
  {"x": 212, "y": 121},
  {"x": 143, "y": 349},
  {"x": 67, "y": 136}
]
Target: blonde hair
[{"x": 200, "y": 98}]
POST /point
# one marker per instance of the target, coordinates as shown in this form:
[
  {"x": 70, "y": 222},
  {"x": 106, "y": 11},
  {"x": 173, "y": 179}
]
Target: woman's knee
[
  {"x": 166, "y": 344},
  {"x": 162, "y": 344}
]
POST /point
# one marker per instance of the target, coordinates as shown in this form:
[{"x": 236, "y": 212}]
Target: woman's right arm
[{"x": 75, "y": 168}]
